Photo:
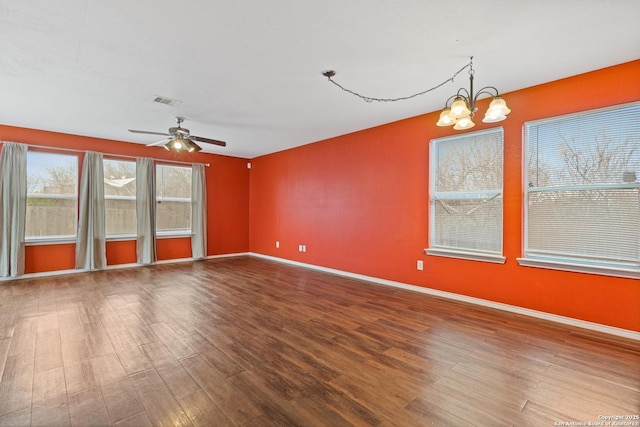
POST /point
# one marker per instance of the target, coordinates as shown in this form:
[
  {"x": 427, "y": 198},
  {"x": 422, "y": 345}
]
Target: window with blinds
[
  {"x": 466, "y": 196},
  {"x": 582, "y": 191}
]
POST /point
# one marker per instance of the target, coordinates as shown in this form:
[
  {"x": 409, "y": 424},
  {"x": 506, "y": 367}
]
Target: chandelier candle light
[{"x": 463, "y": 108}]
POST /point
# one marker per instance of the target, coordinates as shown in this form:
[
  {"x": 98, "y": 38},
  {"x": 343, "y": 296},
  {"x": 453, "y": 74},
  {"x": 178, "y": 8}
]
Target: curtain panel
[
  {"x": 146, "y": 211},
  {"x": 13, "y": 208},
  {"x": 198, "y": 212},
  {"x": 91, "y": 240}
]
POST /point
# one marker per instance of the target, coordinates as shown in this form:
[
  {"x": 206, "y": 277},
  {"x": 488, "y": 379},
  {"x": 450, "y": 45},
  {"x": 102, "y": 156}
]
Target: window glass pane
[
  {"x": 592, "y": 148},
  {"x": 120, "y": 197},
  {"x": 470, "y": 163},
  {"x": 52, "y": 195},
  {"x": 466, "y": 195},
  {"x": 583, "y": 188},
  {"x": 173, "y": 198}
]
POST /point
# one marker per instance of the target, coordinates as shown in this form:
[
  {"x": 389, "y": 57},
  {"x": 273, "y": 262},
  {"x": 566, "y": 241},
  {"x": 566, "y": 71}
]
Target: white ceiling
[{"x": 249, "y": 71}]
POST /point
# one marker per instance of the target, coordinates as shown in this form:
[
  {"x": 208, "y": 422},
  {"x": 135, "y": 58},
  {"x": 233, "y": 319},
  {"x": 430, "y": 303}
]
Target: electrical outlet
[
  {"x": 299, "y": 248},
  {"x": 277, "y": 244},
  {"x": 420, "y": 265},
  {"x": 304, "y": 248}
]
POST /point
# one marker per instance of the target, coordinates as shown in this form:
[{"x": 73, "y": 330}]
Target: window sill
[
  {"x": 120, "y": 237},
  {"x": 50, "y": 241},
  {"x": 112, "y": 238},
  {"x": 125, "y": 237},
  {"x": 580, "y": 268},
  {"x": 173, "y": 235},
  {"x": 471, "y": 256}
]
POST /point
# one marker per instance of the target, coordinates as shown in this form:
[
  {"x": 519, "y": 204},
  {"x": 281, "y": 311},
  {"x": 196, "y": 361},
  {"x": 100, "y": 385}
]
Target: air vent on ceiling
[{"x": 166, "y": 101}]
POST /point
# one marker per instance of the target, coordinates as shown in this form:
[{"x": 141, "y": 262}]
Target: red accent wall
[
  {"x": 227, "y": 201},
  {"x": 359, "y": 203}
]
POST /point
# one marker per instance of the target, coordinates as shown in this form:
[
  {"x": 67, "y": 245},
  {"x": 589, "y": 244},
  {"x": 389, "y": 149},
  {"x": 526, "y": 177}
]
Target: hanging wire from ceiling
[{"x": 329, "y": 75}]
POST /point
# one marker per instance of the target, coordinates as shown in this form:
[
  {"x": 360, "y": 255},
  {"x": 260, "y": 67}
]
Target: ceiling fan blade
[
  {"x": 148, "y": 133},
  {"x": 208, "y": 141},
  {"x": 162, "y": 141}
]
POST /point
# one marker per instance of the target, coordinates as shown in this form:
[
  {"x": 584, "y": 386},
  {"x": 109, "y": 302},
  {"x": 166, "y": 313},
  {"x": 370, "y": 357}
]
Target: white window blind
[
  {"x": 582, "y": 190},
  {"x": 466, "y": 195}
]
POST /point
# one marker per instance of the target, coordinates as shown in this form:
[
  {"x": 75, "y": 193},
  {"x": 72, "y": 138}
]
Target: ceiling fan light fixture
[
  {"x": 177, "y": 144},
  {"x": 191, "y": 146}
]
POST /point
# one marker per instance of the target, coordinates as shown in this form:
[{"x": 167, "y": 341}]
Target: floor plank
[
  {"x": 159, "y": 403},
  {"x": 52, "y": 412},
  {"x": 121, "y": 399},
  {"x": 202, "y": 411},
  {"x": 246, "y": 341},
  {"x": 87, "y": 408}
]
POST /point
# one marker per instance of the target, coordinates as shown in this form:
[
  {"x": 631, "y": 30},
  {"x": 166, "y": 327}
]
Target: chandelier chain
[{"x": 370, "y": 99}]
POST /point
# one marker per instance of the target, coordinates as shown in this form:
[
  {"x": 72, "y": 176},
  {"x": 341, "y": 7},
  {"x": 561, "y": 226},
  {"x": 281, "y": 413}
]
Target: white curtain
[
  {"x": 198, "y": 212},
  {"x": 146, "y": 211},
  {"x": 13, "y": 208},
  {"x": 90, "y": 245}
]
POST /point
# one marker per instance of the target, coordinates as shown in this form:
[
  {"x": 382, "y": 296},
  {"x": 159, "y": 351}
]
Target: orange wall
[
  {"x": 359, "y": 203},
  {"x": 227, "y": 202}
]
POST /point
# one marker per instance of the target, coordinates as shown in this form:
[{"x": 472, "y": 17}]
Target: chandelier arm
[
  {"x": 330, "y": 74},
  {"x": 465, "y": 94},
  {"x": 486, "y": 90}
]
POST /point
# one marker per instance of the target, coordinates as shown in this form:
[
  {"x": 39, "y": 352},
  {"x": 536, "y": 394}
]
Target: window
[
  {"x": 52, "y": 196},
  {"x": 120, "y": 197},
  {"x": 582, "y": 192},
  {"x": 173, "y": 199},
  {"x": 466, "y": 196}
]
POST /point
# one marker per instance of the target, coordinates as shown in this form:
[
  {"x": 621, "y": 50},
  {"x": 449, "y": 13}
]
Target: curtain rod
[{"x": 73, "y": 150}]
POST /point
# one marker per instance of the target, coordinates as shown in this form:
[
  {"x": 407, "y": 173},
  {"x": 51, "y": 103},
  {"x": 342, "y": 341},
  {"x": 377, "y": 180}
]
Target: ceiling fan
[{"x": 179, "y": 139}]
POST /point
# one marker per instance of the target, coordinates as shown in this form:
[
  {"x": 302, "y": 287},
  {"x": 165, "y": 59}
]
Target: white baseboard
[
  {"x": 611, "y": 330},
  {"x": 229, "y": 255},
  {"x": 115, "y": 267}
]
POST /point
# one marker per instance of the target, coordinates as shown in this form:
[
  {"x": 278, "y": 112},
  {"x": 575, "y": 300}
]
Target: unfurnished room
[{"x": 305, "y": 213}]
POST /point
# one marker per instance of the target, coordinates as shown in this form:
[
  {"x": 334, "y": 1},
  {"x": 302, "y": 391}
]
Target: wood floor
[{"x": 245, "y": 341}]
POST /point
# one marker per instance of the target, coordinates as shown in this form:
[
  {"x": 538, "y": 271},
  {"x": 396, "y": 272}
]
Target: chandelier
[{"x": 463, "y": 107}]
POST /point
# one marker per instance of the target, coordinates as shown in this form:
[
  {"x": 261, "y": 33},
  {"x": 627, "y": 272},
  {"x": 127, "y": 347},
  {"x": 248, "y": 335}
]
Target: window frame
[
  {"x": 585, "y": 264},
  {"x": 55, "y": 239},
  {"x": 459, "y": 253},
  {"x": 177, "y": 232},
  {"x": 120, "y": 236}
]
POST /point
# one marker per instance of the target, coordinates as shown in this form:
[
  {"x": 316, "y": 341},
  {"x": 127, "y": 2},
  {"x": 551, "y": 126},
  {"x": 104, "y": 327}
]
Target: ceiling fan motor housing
[{"x": 179, "y": 131}]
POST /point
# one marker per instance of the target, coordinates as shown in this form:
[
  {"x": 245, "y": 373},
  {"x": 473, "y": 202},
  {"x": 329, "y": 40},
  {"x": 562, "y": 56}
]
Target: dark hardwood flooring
[{"x": 245, "y": 341}]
